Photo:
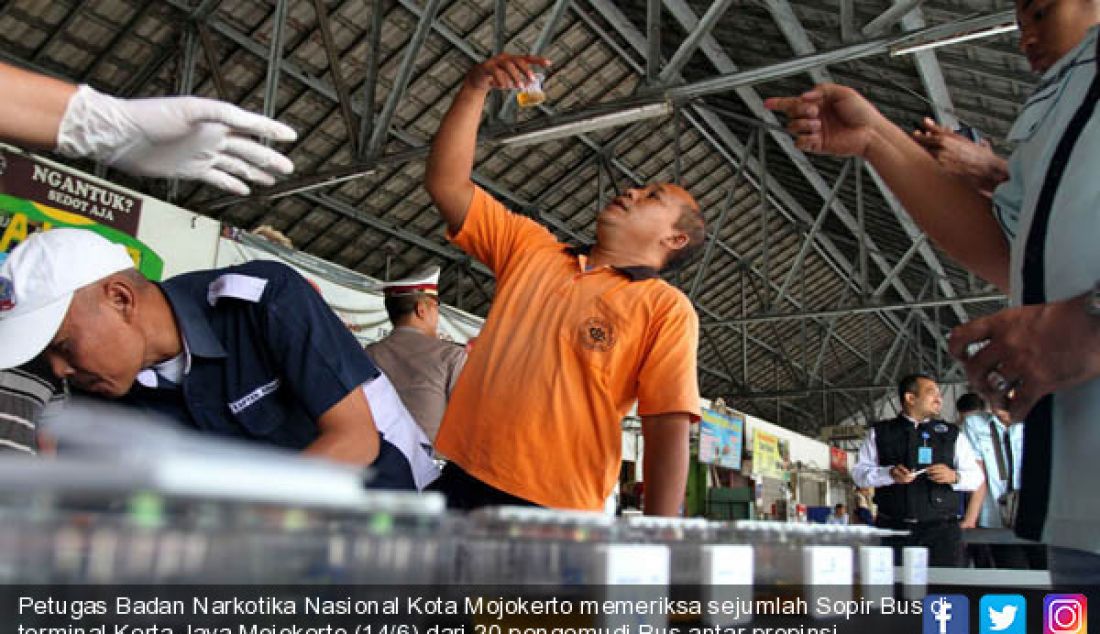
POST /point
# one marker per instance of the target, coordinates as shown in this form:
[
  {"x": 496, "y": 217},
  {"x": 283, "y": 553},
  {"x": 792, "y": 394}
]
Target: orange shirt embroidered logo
[{"x": 597, "y": 334}]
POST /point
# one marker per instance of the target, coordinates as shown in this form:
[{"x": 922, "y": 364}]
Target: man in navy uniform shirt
[{"x": 250, "y": 351}]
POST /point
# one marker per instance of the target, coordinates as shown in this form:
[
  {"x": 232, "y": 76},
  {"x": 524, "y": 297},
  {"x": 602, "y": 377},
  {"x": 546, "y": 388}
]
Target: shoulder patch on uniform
[
  {"x": 236, "y": 286},
  {"x": 940, "y": 428}
]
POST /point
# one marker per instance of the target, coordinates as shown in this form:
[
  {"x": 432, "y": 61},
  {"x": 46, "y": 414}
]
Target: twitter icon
[{"x": 1002, "y": 614}]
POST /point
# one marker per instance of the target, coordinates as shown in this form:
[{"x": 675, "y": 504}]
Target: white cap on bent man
[
  {"x": 37, "y": 283},
  {"x": 426, "y": 281}
]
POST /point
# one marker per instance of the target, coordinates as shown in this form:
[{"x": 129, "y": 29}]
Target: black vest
[{"x": 898, "y": 443}]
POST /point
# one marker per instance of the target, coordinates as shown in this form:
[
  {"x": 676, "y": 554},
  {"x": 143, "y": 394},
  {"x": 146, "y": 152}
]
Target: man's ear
[
  {"x": 422, "y": 308},
  {"x": 676, "y": 241},
  {"x": 121, "y": 296}
]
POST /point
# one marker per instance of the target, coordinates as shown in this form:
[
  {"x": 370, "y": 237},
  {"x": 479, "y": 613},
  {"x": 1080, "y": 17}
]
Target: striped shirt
[
  {"x": 1050, "y": 212},
  {"x": 24, "y": 394}
]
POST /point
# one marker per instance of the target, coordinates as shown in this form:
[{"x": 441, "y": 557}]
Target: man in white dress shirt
[{"x": 917, "y": 464}]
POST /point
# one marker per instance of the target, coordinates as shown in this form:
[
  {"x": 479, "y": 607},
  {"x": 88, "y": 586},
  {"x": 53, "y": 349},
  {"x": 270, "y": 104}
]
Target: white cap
[
  {"x": 426, "y": 281},
  {"x": 37, "y": 282}
]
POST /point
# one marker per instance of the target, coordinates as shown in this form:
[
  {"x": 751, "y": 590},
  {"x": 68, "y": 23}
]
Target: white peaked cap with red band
[{"x": 426, "y": 281}]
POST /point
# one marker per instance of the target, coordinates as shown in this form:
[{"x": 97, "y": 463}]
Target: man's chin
[{"x": 104, "y": 388}]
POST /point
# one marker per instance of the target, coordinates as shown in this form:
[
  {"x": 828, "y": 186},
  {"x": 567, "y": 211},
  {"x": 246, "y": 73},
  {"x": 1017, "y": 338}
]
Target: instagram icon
[{"x": 1065, "y": 614}]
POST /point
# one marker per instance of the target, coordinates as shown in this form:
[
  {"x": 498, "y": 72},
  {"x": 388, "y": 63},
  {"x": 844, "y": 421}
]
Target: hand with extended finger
[
  {"x": 505, "y": 72},
  {"x": 830, "y": 119},
  {"x": 1032, "y": 351}
]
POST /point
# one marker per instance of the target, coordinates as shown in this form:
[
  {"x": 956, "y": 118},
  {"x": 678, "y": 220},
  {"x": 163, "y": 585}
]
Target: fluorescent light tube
[
  {"x": 963, "y": 37},
  {"x": 595, "y": 122}
]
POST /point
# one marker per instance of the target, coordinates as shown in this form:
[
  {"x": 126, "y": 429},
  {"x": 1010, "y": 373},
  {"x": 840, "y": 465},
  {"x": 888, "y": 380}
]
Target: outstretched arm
[
  {"x": 832, "y": 119},
  {"x": 451, "y": 161},
  {"x": 165, "y": 137},
  {"x": 33, "y": 104}
]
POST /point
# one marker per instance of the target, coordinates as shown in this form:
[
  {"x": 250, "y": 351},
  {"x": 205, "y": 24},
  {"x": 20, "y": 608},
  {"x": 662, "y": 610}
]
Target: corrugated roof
[{"x": 384, "y": 220}]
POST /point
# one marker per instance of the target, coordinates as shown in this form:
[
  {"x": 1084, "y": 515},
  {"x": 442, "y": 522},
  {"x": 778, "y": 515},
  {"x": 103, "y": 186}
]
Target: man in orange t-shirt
[{"x": 573, "y": 339}]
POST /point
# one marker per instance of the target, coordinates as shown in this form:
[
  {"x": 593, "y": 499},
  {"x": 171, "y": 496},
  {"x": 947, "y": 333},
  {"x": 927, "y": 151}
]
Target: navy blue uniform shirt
[{"x": 267, "y": 356}]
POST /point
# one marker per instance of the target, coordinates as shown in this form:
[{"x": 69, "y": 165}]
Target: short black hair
[
  {"x": 400, "y": 307},
  {"x": 910, "y": 383},
  {"x": 970, "y": 402},
  {"x": 692, "y": 223},
  {"x": 838, "y": 506}
]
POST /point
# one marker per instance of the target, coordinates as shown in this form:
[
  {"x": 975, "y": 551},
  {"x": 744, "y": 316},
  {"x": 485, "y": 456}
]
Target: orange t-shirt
[{"x": 560, "y": 360}]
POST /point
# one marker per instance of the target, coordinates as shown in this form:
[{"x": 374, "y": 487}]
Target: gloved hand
[{"x": 174, "y": 137}]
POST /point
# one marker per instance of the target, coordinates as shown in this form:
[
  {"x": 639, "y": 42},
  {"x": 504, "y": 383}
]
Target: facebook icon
[{"x": 946, "y": 614}]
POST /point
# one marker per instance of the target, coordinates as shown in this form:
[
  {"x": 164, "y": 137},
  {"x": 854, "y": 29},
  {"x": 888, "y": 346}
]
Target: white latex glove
[{"x": 174, "y": 137}]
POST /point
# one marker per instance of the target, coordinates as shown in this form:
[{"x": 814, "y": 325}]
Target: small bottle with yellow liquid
[{"x": 532, "y": 94}]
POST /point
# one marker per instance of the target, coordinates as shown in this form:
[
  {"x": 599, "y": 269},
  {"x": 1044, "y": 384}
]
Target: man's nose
[
  {"x": 59, "y": 366},
  {"x": 1027, "y": 40}
]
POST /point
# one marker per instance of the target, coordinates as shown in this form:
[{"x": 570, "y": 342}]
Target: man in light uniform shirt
[
  {"x": 421, "y": 366},
  {"x": 999, "y": 444},
  {"x": 1037, "y": 241}
]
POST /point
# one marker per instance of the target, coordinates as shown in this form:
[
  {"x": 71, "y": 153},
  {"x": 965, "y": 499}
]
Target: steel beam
[
  {"x": 693, "y": 40},
  {"x": 722, "y": 62},
  {"x": 847, "y": 20},
  {"x": 902, "y": 335},
  {"x": 210, "y": 53},
  {"x": 903, "y": 261},
  {"x": 370, "y": 83},
  {"x": 931, "y": 75},
  {"x": 653, "y": 39},
  {"x": 350, "y": 211},
  {"x": 811, "y": 237},
  {"x": 404, "y": 74},
  {"x": 708, "y": 251},
  {"x": 881, "y": 24},
  {"x": 185, "y": 85},
  {"x": 806, "y": 63},
  {"x": 500, "y": 38},
  {"x": 853, "y": 310},
  {"x": 832, "y": 389},
  {"x": 204, "y": 10},
  {"x": 275, "y": 57},
  {"x": 800, "y": 42},
  {"x": 325, "y": 26}
]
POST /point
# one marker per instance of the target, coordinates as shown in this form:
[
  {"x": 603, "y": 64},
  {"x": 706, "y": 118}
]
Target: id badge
[{"x": 924, "y": 455}]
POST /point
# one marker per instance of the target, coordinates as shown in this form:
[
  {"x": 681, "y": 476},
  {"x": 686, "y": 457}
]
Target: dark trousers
[
  {"x": 464, "y": 492},
  {"x": 390, "y": 470},
  {"x": 942, "y": 538}
]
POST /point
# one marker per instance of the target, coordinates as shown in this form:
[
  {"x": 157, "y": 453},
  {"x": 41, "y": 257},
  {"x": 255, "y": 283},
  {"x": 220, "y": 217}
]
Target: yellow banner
[{"x": 765, "y": 455}]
